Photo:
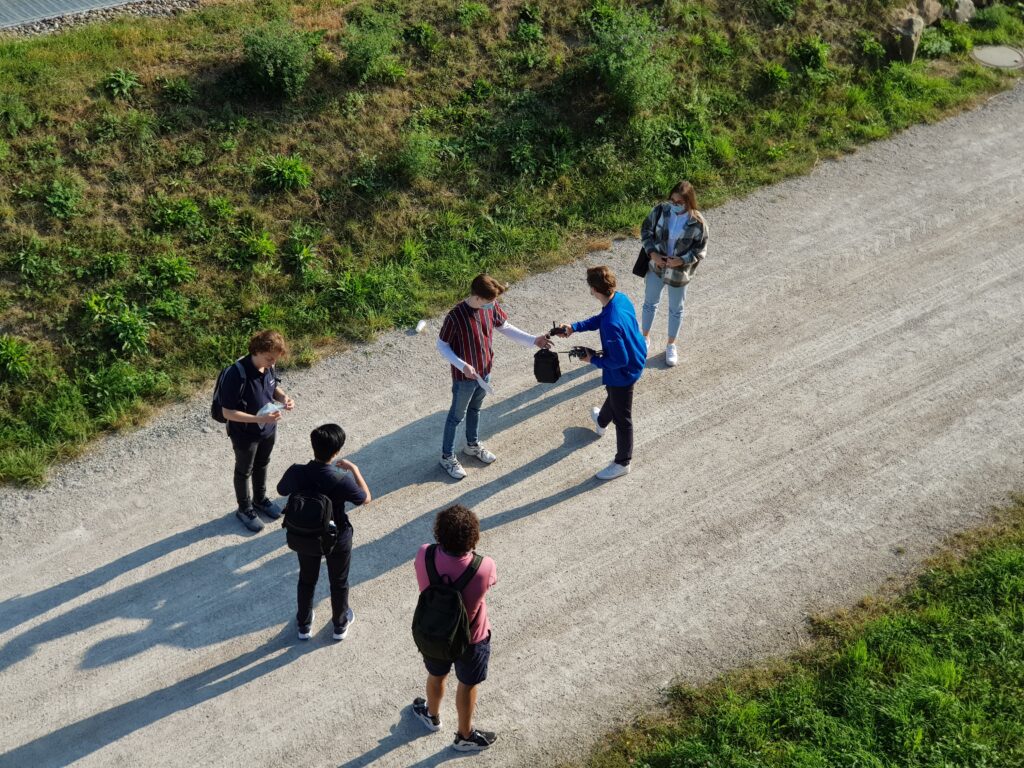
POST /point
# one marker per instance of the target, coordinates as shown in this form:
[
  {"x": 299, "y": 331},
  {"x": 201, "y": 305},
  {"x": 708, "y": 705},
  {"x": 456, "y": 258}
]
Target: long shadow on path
[{"x": 75, "y": 741}]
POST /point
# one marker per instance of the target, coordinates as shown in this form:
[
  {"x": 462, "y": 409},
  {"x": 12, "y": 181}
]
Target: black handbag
[
  {"x": 643, "y": 261},
  {"x": 546, "y": 367}
]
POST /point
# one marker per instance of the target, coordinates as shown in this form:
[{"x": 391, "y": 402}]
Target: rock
[
  {"x": 907, "y": 36},
  {"x": 963, "y": 11},
  {"x": 930, "y": 11}
]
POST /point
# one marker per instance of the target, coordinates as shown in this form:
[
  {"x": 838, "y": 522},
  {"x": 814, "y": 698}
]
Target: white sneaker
[
  {"x": 595, "y": 412},
  {"x": 671, "y": 355},
  {"x": 452, "y": 467},
  {"x": 613, "y": 471},
  {"x": 480, "y": 452}
]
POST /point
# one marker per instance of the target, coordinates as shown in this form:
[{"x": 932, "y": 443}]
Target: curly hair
[{"x": 457, "y": 530}]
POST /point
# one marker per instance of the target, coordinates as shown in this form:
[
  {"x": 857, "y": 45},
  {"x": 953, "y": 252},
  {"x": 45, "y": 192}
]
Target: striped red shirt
[{"x": 469, "y": 332}]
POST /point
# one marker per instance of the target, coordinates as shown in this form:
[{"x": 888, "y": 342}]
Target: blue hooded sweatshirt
[{"x": 625, "y": 353}]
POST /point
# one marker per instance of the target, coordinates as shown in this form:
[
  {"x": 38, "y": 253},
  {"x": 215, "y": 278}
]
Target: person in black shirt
[
  {"x": 252, "y": 436},
  {"x": 322, "y": 476}
]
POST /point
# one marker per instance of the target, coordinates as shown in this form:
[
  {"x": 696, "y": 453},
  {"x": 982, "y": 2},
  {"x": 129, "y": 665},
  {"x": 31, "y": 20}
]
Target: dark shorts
[{"x": 471, "y": 669}]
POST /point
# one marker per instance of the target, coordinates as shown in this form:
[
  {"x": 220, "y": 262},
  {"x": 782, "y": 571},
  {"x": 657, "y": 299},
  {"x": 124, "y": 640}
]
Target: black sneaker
[
  {"x": 306, "y": 630},
  {"x": 341, "y": 630},
  {"x": 249, "y": 519},
  {"x": 268, "y": 508},
  {"x": 476, "y": 742},
  {"x": 419, "y": 710}
]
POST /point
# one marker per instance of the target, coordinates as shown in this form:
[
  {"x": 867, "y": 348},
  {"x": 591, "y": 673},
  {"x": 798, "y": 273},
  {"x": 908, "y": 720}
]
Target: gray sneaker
[
  {"x": 268, "y": 508},
  {"x": 249, "y": 519},
  {"x": 421, "y": 713}
]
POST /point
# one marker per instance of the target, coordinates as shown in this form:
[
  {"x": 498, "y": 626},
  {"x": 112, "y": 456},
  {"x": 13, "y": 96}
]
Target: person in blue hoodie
[{"x": 622, "y": 359}]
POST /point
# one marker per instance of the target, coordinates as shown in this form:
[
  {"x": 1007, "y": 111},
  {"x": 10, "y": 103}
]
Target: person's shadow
[
  {"x": 77, "y": 740},
  {"x": 409, "y": 456}
]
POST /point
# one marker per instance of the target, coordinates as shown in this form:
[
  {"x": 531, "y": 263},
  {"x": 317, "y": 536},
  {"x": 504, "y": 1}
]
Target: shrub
[
  {"x": 300, "y": 248},
  {"x": 621, "y": 55},
  {"x": 871, "y": 49},
  {"x": 423, "y": 36},
  {"x": 176, "y": 90},
  {"x": 778, "y": 10},
  {"x": 773, "y": 77},
  {"x": 115, "y": 322},
  {"x": 110, "y": 389},
  {"x": 279, "y": 58},
  {"x": 167, "y": 270},
  {"x": 959, "y": 36},
  {"x": 121, "y": 84},
  {"x": 810, "y": 54},
  {"x": 15, "y": 358},
  {"x": 182, "y": 214},
  {"x": 106, "y": 265},
  {"x": 285, "y": 173},
  {"x": 528, "y": 33},
  {"x": 934, "y": 44},
  {"x": 369, "y": 44},
  {"x": 62, "y": 198},
  {"x": 417, "y": 157},
  {"x": 36, "y": 267},
  {"x": 470, "y": 14},
  {"x": 15, "y": 116},
  {"x": 253, "y": 244}
]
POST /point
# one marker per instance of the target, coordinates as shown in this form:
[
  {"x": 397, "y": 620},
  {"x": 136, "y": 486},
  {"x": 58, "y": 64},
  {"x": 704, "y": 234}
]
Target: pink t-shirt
[{"x": 473, "y": 596}]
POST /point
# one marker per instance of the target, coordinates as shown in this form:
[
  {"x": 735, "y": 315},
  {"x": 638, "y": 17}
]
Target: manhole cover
[{"x": 999, "y": 56}]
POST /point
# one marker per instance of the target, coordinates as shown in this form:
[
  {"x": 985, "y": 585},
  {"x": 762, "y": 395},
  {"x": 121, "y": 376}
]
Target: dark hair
[
  {"x": 686, "y": 191},
  {"x": 601, "y": 279},
  {"x": 327, "y": 440},
  {"x": 486, "y": 287},
  {"x": 457, "y": 530},
  {"x": 267, "y": 341}
]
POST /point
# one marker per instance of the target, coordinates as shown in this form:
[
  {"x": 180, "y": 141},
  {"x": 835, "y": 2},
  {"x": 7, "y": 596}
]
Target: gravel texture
[
  {"x": 139, "y": 8},
  {"x": 849, "y": 393}
]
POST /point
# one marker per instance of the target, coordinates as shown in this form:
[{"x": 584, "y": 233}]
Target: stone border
[{"x": 139, "y": 8}]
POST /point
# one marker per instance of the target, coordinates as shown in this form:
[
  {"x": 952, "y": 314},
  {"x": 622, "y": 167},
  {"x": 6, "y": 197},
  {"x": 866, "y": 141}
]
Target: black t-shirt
[
  {"x": 257, "y": 392},
  {"x": 327, "y": 479}
]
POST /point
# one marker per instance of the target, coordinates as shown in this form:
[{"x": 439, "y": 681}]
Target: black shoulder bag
[{"x": 642, "y": 264}]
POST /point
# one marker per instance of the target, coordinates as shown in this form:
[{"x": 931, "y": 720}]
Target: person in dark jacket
[
  {"x": 675, "y": 235},
  {"x": 247, "y": 387},
  {"x": 622, "y": 359},
  {"x": 323, "y": 475}
]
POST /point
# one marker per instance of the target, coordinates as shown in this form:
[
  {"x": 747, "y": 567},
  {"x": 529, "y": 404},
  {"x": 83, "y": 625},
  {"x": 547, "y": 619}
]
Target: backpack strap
[
  {"x": 428, "y": 560},
  {"x": 469, "y": 573}
]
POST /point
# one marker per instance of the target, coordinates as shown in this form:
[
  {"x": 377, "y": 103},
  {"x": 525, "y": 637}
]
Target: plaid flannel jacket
[{"x": 691, "y": 247}]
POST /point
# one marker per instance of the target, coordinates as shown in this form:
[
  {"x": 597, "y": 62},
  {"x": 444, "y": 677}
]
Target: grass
[
  {"x": 334, "y": 169},
  {"x": 934, "y": 677}
]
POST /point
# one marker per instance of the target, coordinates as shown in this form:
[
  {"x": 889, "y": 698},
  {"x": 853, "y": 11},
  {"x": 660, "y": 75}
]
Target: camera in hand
[{"x": 580, "y": 352}]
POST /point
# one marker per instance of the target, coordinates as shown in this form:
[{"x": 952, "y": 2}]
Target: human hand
[
  {"x": 659, "y": 261},
  {"x": 565, "y": 330},
  {"x": 470, "y": 371},
  {"x": 270, "y": 418},
  {"x": 674, "y": 262},
  {"x": 586, "y": 357},
  {"x": 345, "y": 464},
  {"x": 288, "y": 403},
  {"x": 543, "y": 342}
]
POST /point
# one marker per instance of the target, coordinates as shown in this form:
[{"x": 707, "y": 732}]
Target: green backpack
[{"x": 440, "y": 625}]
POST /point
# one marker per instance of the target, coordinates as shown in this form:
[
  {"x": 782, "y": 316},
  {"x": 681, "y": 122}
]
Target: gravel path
[
  {"x": 24, "y": 18},
  {"x": 849, "y": 393}
]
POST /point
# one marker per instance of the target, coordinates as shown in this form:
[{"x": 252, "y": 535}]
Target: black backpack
[
  {"x": 440, "y": 625},
  {"x": 546, "y": 367},
  {"x": 216, "y": 410},
  {"x": 309, "y": 522}
]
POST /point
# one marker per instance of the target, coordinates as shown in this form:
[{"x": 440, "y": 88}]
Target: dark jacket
[{"x": 691, "y": 247}]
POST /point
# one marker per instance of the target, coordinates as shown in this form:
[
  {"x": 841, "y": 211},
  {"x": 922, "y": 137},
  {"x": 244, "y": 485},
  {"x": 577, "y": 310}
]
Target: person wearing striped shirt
[{"x": 465, "y": 342}]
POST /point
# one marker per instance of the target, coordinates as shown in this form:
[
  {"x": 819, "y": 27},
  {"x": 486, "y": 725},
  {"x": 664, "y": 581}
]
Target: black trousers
[
  {"x": 338, "y": 563},
  {"x": 251, "y": 461},
  {"x": 618, "y": 410}
]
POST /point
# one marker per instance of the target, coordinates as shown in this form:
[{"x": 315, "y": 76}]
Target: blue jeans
[
  {"x": 467, "y": 397},
  {"x": 652, "y": 296}
]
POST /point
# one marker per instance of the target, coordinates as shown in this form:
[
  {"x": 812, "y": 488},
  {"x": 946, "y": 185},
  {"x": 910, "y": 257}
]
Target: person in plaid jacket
[{"x": 675, "y": 235}]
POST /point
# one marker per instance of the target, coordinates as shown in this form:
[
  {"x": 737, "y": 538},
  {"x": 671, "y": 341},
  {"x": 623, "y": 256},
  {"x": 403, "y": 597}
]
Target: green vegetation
[
  {"x": 935, "y": 678},
  {"x": 332, "y": 169}
]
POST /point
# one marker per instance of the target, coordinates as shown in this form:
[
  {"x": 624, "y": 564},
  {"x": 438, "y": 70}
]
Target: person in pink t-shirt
[{"x": 457, "y": 531}]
